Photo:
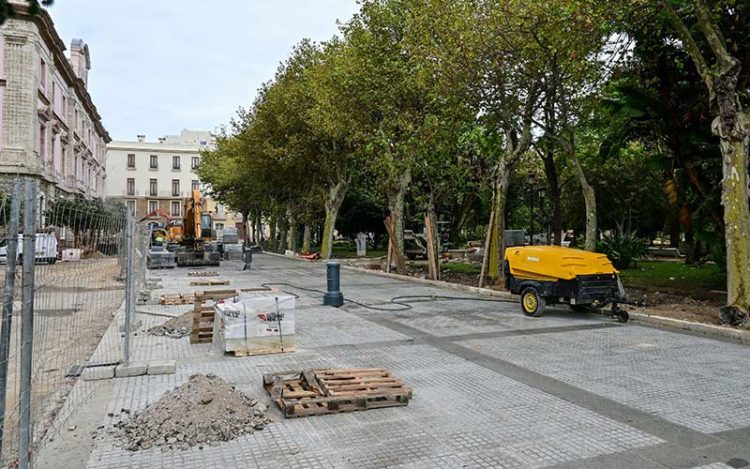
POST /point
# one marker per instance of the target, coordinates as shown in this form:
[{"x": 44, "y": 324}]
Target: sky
[{"x": 158, "y": 66}]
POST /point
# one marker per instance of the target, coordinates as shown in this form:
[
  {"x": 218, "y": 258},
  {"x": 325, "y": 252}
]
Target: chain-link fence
[{"x": 68, "y": 263}]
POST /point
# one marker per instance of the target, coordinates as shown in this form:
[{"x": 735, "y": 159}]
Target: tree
[
  {"x": 7, "y": 9},
  {"x": 720, "y": 71}
]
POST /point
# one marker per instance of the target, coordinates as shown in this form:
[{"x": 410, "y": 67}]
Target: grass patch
[
  {"x": 344, "y": 252},
  {"x": 674, "y": 277},
  {"x": 462, "y": 268}
]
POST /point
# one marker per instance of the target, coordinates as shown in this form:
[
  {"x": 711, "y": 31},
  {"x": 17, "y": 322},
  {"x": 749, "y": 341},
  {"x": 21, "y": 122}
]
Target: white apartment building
[
  {"x": 49, "y": 126},
  {"x": 150, "y": 176}
]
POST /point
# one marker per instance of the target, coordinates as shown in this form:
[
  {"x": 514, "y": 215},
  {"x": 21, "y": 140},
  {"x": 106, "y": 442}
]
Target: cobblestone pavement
[{"x": 492, "y": 388}]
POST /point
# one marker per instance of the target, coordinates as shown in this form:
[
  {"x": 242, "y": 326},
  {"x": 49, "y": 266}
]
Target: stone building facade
[
  {"x": 149, "y": 176},
  {"x": 49, "y": 126}
]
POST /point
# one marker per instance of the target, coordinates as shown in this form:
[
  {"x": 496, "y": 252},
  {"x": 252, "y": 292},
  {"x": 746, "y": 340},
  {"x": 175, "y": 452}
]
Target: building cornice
[
  {"x": 57, "y": 47},
  {"x": 152, "y": 147}
]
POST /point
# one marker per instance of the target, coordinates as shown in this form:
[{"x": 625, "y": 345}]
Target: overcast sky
[{"x": 158, "y": 66}]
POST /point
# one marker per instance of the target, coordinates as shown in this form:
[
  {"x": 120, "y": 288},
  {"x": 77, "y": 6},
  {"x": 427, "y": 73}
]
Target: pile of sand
[
  {"x": 176, "y": 327},
  {"x": 204, "y": 410}
]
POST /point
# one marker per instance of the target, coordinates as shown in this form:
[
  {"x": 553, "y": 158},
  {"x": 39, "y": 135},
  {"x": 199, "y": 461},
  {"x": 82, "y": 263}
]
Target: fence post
[
  {"x": 8, "y": 296},
  {"x": 27, "y": 320},
  {"x": 129, "y": 282}
]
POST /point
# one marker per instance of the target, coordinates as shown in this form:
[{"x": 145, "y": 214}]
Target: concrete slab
[
  {"x": 162, "y": 367},
  {"x": 132, "y": 369},
  {"x": 98, "y": 372}
]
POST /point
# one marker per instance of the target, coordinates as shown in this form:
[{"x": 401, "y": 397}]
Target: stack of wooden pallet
[
  {"x": 203, "y": 273},
  {"x": 316, "y": 392},
  {"x": 177, "y": 299},
  {"x": 203, "y": 313}
]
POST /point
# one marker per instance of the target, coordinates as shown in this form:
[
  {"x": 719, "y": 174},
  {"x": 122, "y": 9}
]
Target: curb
[
  {"x": 740, "y": 335},
  {"x": 435, "y": 283}
]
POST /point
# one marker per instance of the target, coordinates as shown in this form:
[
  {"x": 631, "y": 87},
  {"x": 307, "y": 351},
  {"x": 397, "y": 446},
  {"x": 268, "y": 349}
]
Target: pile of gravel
[
  {"x": 204, "y": 410},
  {"x": 176, "y": 327}
]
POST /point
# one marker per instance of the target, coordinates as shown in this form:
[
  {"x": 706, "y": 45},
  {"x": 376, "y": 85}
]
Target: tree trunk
[
  {"x": 495, "y": 249},
  {"x": 292, "y": 235},
  {"x": 734, "y": 196},
  {"x": 336, "y": 196},
  {"x": 553, "y": 184},
  {"x": 396, "y": 202},
  {"x": 274, "y": 229},
  {"x": 589, "y": 197},
  {"x": 306, "y": 238}
]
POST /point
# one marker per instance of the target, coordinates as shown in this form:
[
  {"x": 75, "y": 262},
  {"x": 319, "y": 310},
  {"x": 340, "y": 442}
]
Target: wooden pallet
[
  {"x": 208, "y": 282},
  {"x": 203, "y": 313},
  {"x": 203, "y": 273},
  {"x": 317, "y": 392},
  {"x": 178, "y": 299}
]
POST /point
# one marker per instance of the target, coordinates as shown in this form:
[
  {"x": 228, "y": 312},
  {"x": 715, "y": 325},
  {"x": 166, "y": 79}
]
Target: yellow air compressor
[{"x": 550, "y": 275}]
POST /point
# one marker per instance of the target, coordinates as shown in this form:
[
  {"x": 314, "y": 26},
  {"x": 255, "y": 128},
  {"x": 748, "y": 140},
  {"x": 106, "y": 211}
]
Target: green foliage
[
  {"x": 622, "y": 248},
  {"x": 7, "y": 10},
  {"x": 79, "y": 213},
  {"x": 717, "y": 248}
]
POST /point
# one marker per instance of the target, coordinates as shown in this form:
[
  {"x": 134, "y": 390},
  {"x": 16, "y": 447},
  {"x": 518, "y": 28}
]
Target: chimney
[
  {"x": 80, "y": 59},
  {"x": 162, "y": 139},
  {"x": 141, "y": 138}
]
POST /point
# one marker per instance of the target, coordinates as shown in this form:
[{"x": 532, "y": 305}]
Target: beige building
[
  {"x": 49, "y": 126},
  {"x": 160, "y": 175}
]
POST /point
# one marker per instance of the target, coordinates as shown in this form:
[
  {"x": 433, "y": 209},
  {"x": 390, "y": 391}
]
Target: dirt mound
[
  {"x": 204, "y": 410},
  {"x": 176, "y": 327}
]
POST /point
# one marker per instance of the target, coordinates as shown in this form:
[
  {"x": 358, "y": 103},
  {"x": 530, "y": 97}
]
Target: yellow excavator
[{"x": 194, "y": 249}]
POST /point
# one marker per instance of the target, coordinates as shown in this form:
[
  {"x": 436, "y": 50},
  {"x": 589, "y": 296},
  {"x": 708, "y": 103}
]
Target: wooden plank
[
  {"x": 400, "y": 261},
  {"x": 209, "y": 282}
]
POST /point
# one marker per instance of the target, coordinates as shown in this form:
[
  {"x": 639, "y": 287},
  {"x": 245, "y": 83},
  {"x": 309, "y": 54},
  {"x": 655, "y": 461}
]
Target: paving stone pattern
[{"x": 463, "y": 413}]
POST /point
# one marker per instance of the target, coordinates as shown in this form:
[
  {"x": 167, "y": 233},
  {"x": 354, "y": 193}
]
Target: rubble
[
  {"x": 177, "y": 327},
  {"x": 204, "y": 410}
]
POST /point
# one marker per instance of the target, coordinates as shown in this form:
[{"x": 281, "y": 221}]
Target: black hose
[{"x": 404, "y": 302}]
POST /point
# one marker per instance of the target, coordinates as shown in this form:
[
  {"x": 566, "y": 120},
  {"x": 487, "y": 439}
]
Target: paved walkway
[{"x": 492, "y": 388}]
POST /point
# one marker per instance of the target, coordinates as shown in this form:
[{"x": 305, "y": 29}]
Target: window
[
  {"x": 65, "y": 108},
  {"x": 195, "y": 162},
  {"x": 175, "y": 208},
  {"x": 42, "y": 139},
  {"x": 196, "y": 185},
  {"x": 131, "y": 206},
  {"x": 154, "y": 162},
  {"x": 131, "y": 186},
  {"x": 152, "y": 187},
  {"x": 220, "y": 226},
  {"x": 131, "y": 161},
  {"x": 175, "y": 162},
  {"x": 153, "y": 205},
  {"x": 175, "y": 187},
  {"x": 42, "y": 75}
]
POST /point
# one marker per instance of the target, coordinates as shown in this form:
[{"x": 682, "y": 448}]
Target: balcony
[{"x": 159, "y": 194}]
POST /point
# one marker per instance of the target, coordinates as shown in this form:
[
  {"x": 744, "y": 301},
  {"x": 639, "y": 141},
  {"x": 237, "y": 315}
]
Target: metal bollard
[
  {"x": 247, "y": 258},
  {"x": 333, "y": 296}
]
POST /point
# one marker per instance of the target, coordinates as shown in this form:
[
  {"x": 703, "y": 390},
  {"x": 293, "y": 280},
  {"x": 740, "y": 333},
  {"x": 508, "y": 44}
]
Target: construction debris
[
  {"x": 204, "y": 410},
  {"x": 179, "y": 326},
  {"x": 203, "y": 273},
  {"x": 315, "y": 392}
]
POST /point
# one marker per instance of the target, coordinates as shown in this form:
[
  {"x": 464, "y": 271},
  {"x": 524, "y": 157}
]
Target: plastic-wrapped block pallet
[
  {"x": 230, "y": 236},
  {"x": 233, "y": 252},
  {"x": 251, "y": 326}
]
